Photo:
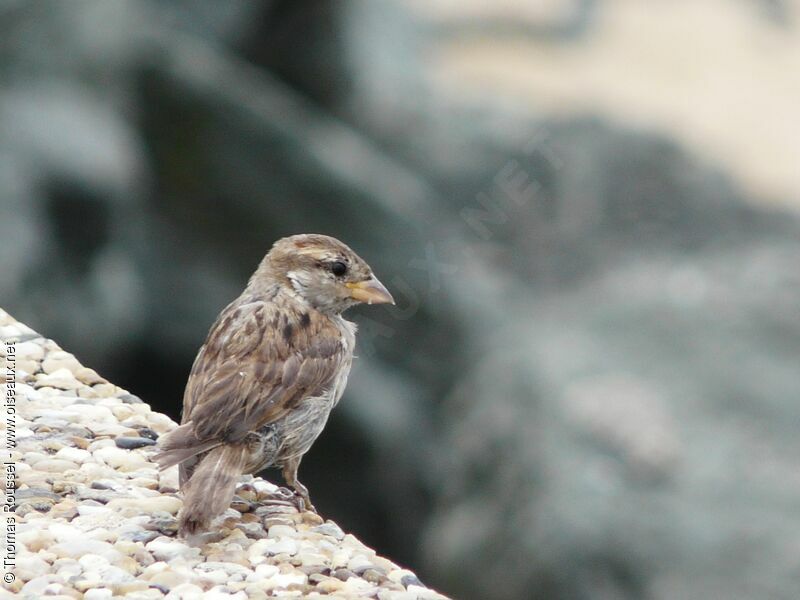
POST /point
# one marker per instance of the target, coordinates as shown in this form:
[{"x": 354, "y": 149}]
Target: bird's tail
[
  {"x": 179, "y": 445},
  {"x": 210, "y": 489}
]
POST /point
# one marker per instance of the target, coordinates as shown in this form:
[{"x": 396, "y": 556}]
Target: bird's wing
[{"x": 257, "y": 363}]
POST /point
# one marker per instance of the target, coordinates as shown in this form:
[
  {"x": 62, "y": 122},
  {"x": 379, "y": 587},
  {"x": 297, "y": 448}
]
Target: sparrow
[{"x": 274, "y": 365}]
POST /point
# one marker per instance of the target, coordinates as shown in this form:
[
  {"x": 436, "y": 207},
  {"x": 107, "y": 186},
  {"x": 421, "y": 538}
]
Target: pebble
[
  {"x": 91, "y": 415},
  {"x": 31, "y": 567},
  {"x": 359, "y": 563},
  {"x": 331, "y": 529},
  {"x": 55, "y": 465},
  {"x": 283, "y": 546},
  {"x": 75, "y": 455},
  {"x": 409, "y": 580},
  {"x": 80, "y": 547},
  {"x": 284, "y": 580},
  {"x": 88, "y": 376},
  {"x": 30, "y": 350},
  {"x": 262, "y": 572},
  {"x": 120, "y": 459},
  {"x": 123, "y": 413},
  {"x": 131, "y": 443},
  {"x": 60, "y": 360},
  {"x": 186, "y": 591},
  {"x": 167, "y": 504},
  {"x": 61, "y": 379},
  {"x": 167, "y": 549},
  {"x": 66, "y": 509},
  {"x": 96, "y": 519}
]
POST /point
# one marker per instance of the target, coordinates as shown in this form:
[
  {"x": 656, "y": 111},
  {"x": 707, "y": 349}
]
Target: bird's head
[{"x": 324, "y": 272}]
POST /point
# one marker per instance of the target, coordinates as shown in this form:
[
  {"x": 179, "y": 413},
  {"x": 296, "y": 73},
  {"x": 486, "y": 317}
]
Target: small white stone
[
  {"x": 359, "y": 586},
  {"x": 35, "y": 587},
  {"x": 218, "y": 576},
  {"x": 61, "y": 379},
  {"x": 154, "y": 569},
  {"x": 68, "y": 568},
  {"x": 122, "y": 460},
  {"x": 32, "y": 458},
  {"x": 122, "y": 412},
  {"x": 258, "y": 547},
  {"x": 398, "y": 574},
  {"x": 100, "y": 525},
  {"x": 284, "y": 580},
  {"x": 92, "y": 471},
  {"x": 75, "y": 455},
  {"x": 15, "y": 330},
  {"x": 359, "y": 562},
  {"x": 59, "y": 360},
  {"x": 24, "y": 432},
  {"x": 384, "y": 563},
  {"x": 55, "y": 465},
  {"x": 27, "y": 393},
  {"x": 62, "y": 532},
  {"x": 283, "y": 546},
  {"x": 263, "y": 571},
  {"x": 164, "y": 548},
  {"x": 144, "y": 478},
  {"x": 161, "y": 423},
  {"x": 98, "y": 594},
  {"x": 92, "y": 414},
  {"x": 91, "y": 562},
  {"x": 282, "y": 531},
  {"x": 229, "y": 567},
  {"x": 76, "y": 548},
  {"x": 169, "y": 504},
  {"x": 113, "y": 430},
  {"x": 339, "y": 559},
  {"x": 29, "y": 350},
  {"x": 101, "y": 443},
  {"x": 312, "y": 559},
  {"x": 141, "y": 409},
  {"x": 169, "y": 478},
  {"x": 64, "y": 401},
  {"x": 151, "y": 594},
  {"x": 218, "y": 594},
  {"x": 185, "y": 591},
  {"x": 352, "y": 541},
  {"x": 90, "y": 510},
  {"x": 116, "y": 576},
  {"x": 30, "y": 566},
  {"x": 106, "y": 389}
]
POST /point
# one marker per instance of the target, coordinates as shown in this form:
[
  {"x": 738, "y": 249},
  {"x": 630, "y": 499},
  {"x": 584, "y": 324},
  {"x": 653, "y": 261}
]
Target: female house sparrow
[{"x": 274, "y": 364}]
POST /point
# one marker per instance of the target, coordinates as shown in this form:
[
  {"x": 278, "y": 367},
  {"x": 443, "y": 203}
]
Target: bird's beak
[{"x": 370, "y": 291}]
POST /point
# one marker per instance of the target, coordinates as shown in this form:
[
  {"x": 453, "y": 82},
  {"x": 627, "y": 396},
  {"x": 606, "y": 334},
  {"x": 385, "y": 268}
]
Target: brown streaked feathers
[
  {"x": 248, "y": 374},
  {"x": 274, "y": 364}
]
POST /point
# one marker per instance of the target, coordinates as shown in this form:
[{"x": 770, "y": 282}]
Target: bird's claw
[{"x": 303, "y": 503}]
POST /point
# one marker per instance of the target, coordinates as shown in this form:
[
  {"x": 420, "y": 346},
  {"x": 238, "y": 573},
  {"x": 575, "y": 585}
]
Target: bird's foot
[
  {"x": 303, "y": 503},
  {"x": 283, "y": 496}
]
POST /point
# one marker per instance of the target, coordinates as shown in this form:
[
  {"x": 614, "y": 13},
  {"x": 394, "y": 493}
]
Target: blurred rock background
[{"x": 587, "y": 209}]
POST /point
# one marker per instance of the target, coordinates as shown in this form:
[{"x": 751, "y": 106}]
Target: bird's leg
[{"x": 290, "y": 476}]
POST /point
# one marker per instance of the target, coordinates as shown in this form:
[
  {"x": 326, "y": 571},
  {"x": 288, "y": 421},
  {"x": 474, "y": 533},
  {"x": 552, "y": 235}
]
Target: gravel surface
[{"x": 95, "y": 519}]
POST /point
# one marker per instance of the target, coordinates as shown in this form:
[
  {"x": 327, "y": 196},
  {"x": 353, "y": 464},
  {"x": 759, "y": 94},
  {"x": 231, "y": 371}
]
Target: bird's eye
[{"x": 338, "y": 268}]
